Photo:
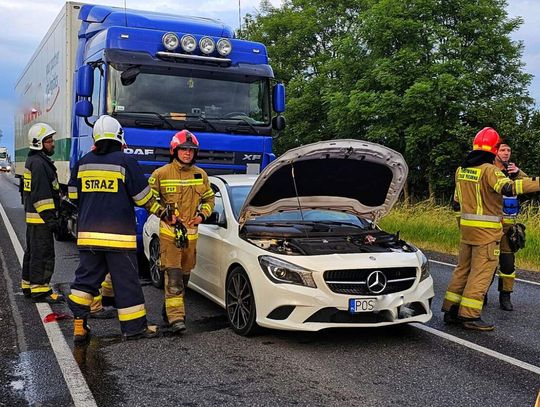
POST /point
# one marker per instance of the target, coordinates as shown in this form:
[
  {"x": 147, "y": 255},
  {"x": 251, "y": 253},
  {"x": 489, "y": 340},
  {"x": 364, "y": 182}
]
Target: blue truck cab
[{"x": 158, "y": 74}]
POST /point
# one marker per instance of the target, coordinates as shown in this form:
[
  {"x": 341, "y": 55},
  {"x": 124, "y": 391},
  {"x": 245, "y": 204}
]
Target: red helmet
[
  {"x": 487, "y": 139},
  {"x": 184, "y": 139}
]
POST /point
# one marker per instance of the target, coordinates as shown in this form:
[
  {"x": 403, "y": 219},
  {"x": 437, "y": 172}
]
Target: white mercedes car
[{"x": 298, "y": 247}]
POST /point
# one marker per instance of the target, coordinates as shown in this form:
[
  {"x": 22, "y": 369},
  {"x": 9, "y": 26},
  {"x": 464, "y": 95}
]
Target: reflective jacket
[
  {"x": 184, "y": 188},
  {"x": 41, "y": 191},
  {"x": 107, "y": 187},
  {"x": 479, "y": 192}
]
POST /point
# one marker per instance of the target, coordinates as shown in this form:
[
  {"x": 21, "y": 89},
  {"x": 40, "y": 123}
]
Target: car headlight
[
  {"x": 424, "y": 268},
  {"x": 282, "y": 272}
]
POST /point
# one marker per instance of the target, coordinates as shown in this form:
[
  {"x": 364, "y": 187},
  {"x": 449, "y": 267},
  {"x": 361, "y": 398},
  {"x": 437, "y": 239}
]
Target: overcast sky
[{"x": 23, "y": 23}]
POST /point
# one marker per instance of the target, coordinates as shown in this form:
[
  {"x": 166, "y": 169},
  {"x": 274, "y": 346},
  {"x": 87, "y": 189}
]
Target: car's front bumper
[{"x": 290, "y": 307}]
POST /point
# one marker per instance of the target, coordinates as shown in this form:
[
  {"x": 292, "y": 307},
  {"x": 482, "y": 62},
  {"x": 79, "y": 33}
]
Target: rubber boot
[
  {"x": 504, "y": 301},
  {"x": 52, "y": 298},
  {"x": 151, "y": 331},
  {"x": 178, "y": 327},
  {"x": 477, "y": 325},
  {"x": 104, "y": 313},
  {"x": 451, "y": 316},
  {"x": 81, "y": 332}
]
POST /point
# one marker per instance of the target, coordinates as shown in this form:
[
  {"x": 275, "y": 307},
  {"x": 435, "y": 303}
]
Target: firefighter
[
  {"x": 510, "y": 211},
  {"x": 479, "y": 189},
  {"x": 107, "y": 184},
  {"x": 184, "y": 190},
  {"x": 41, "y": 197}
]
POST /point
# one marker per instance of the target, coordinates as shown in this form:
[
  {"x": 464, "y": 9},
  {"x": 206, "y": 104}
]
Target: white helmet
[
  {"x": 108, "y": 128},
  {"x": 37, "y": 133}
]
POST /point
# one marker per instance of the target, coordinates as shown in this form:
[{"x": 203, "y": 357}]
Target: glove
[
  {"x": 51, "y": 220},
  {"x": 516, "y": 237}
]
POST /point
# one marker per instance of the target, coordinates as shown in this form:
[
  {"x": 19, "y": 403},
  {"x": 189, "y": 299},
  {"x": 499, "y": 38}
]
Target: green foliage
[{"x": 420, "y": 76}]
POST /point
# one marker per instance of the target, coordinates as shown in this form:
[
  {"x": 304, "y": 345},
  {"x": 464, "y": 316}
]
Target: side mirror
[
  {"x": 85, "y": 81},
  {"x": 278, "y": 98},
  {"x": 278, "y": 123},
  {"x": 129, "y": 75},
  {"x": 84, "y": 108},
  {"x": 215, "y": 219}
]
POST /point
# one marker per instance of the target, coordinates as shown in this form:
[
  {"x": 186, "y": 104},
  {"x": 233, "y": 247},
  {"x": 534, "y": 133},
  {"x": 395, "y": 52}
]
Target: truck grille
[{"x": 354, "y": 282}]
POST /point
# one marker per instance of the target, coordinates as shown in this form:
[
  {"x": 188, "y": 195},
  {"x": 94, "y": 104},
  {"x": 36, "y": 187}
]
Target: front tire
[
  {"x": 156, "y": 275},
  {"x": 240, "y": 303}
]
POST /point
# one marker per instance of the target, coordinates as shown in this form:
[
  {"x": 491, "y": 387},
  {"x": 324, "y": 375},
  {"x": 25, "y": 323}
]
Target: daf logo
[
  {"x": 376, "y": 282},
  {"x": 139, "y": 151},
  {"x": 251, "y": 157}
]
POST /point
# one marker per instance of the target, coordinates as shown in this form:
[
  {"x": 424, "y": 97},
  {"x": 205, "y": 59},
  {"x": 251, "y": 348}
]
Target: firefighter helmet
[
  {"x": 37, "y": 133},
  {"x": 108, "y": 128},
  {"x": 184, "y": 139},
  {"x": 487, "y": 139}
]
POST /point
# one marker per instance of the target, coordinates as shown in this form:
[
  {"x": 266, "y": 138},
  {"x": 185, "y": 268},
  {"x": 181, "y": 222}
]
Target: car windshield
[{"x": 238, "y": 196}]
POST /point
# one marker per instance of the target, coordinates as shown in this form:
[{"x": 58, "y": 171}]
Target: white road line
[
  {"x": 478, "y": 348},
  {"x": 454, "y": 265},
  {"x": 78, "y": 388}
]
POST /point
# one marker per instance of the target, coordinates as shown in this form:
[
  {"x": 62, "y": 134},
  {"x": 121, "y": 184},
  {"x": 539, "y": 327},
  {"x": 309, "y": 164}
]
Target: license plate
[{"x": 361, "y": 305}]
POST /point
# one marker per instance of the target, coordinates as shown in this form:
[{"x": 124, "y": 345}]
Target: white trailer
[{"x": 45, "y": 90}]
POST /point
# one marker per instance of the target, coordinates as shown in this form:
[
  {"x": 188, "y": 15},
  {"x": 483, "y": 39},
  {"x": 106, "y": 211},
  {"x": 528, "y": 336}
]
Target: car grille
[{"x": 354, "y": 281}]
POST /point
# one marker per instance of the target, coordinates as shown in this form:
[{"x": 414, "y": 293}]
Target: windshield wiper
[
  {"x": 204, "y": 120},
  {"x": 163, "y": 119},
  {"x": 246, "y": 121}
]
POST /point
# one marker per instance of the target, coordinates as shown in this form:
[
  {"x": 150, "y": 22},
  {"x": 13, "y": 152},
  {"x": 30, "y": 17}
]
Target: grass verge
[{"x": 433, "y": 227}]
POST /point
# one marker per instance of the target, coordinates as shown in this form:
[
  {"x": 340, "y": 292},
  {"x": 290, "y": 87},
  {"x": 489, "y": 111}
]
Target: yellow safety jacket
[
  {"x": 184, "y": 188},
  {"x": 479, "y": 192}
]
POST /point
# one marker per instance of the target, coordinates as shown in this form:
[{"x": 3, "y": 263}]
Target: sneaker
[
  {"x": 504, "y": 301},
  {"x": 104, "y": 313},
  {"x": 477, "y": 325},
  {"x": 52, "y": 298},
  {"x": 178, "y": 327},
  {"x": 151, "y": 331},
  {"x": 81, "y": 331}
]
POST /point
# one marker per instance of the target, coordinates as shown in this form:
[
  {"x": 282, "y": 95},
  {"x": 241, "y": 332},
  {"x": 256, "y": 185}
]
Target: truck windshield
[{"x": 191, "y": 95}]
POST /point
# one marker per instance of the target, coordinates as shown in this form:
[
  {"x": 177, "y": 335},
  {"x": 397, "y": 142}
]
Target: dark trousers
[
  {"x": 38, "y": 260},
  {"x": 122, "y": 265}
]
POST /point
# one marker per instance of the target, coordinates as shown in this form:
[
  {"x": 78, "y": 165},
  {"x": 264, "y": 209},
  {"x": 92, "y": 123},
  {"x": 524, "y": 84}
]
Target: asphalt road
[{"x": 210, "y": 365}]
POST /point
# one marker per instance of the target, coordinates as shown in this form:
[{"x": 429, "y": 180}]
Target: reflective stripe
[
  {"x": 72, "y": 193},
  {"x": 81, "y": 297},
  {"x": 34, "y": 218},
  {"x": 174, "y": 302},
  {"x": 143, "y": 197},
  {"x": 453, "y": 297},
  {"x": 104, "y": 167},
  {"x": 101, "y": 174},
  {"x": 480, "y": 224},
  {"x": 500, "y": 183},
  {"x": 509, "y": 221},
  {"x": 25, "y": 284},
  {"x": 470, "y": 303},
  {"x": 519, "y": 186},
  {"x": 193, "y": 237},
  {"x": 487, "y": 218},
  {"x": 44, "y": 204},
  {"x": 501, "y": 274},
  {"x": 107, "y": 240},
  {"x": 154, "y": 207},
  {"x": 458, "y": 190},
  {"x": 106, "y": 284},
  {"x": 40, "y": 288},
  {"x": 208, "y": 194},
  {"x": 98, "y": 297},
  {"x": 181, "y": 182},
  {"x": 167, "y": 232},
  {"x": 206, "y": 207},
  {"x": 130, "y": 313},
  {"x": 479, "y": 207}
]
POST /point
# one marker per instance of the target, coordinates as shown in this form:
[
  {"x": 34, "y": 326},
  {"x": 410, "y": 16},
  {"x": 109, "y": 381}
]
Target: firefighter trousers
[
  {"x": 176, "y": 265},
  {"x": 38, "y": 261},
  {"x": 471, "y": 279},
  {"x": 507, "y": 268},
  {"x": 122, "y": 266}
]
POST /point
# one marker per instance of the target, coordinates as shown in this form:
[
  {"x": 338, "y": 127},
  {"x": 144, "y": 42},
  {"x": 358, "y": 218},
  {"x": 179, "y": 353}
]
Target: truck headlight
[
  {"x": 8, "y": 168},
  {"x": 207, "y": 45},
  {"x": 188, "y": 43},
  {"x": 282, "y": 272},
  {"x": 170, "y": 41},
  {"x": 424, "y": 268},
  {"x": 224, "y": 47}
]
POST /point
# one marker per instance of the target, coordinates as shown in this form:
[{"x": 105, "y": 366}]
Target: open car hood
[{"x": 354, "y": 176}]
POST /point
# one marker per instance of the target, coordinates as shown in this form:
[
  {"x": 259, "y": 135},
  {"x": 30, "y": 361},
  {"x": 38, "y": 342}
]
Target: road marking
[
  {"x": 481, "y": 349},
  {"x": 454, "y": 265},
  {"x": 78, "y": 388}
]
